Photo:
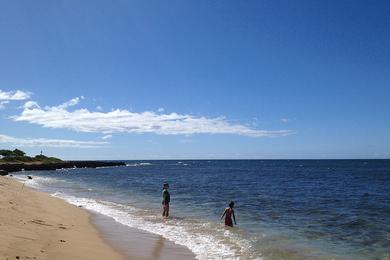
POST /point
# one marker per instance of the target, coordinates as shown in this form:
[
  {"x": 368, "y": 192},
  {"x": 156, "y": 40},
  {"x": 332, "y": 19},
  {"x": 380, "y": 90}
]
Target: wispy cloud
[
  {"x": 70, "y": 103},
  {"x": 31, "y": 105},
  {"x": 14, "y": 95},
  {"x": 44, "y": 142},
  {"x": 120, "y": 120},
  {"x": 6, "y": 97},
  {"x": 106, "y": 137},
  {"x": 2, "y": 104},
  {"x": 284, "y": 120}
]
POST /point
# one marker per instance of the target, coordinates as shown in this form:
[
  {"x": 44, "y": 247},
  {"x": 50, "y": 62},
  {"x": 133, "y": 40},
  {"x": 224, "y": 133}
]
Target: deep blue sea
[{"x": 285, "y": 209}]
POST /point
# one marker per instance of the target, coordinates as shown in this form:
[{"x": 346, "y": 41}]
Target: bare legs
[{"x": 165, "y": 210}]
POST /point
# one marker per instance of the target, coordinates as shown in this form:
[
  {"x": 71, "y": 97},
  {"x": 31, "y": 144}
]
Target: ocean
[{"x": 285, "y": 209}]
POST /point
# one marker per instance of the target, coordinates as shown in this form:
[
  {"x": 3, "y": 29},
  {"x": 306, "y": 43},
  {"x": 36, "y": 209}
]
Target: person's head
[
  {"x": 231, "y": 204},
  {"x": 166, "y": 186}
]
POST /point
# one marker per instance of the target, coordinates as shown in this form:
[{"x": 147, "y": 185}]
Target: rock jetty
[{"x": 5, "y": 168}]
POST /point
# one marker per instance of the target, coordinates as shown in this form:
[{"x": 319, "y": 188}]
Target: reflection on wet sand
[
  {"x": 136, "y": 244},
  {"x": 159, "y": 245}
]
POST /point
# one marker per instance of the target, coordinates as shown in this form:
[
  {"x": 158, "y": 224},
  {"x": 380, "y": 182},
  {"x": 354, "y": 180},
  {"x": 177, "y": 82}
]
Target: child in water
[{"x": 229, "y": 212}]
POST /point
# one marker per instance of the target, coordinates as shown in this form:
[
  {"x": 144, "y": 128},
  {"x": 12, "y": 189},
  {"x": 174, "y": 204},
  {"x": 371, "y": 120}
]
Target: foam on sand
[{"x": 205, "y": 240}]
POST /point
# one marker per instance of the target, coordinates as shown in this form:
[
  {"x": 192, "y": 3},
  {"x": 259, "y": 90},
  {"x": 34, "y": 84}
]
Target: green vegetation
[{"x": 18, "y": 156}]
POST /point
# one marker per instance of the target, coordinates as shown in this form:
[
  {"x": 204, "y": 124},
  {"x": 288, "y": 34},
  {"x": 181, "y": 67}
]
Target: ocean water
[{"x": 285, "y": 209}]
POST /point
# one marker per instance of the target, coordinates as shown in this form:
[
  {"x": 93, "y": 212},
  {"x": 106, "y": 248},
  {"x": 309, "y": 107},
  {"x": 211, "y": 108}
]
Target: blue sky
[{"x": 196, "y": 79}]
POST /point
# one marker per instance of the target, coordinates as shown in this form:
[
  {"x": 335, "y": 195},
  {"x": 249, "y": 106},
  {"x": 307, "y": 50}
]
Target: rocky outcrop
[{"x": 11, "y": 167}]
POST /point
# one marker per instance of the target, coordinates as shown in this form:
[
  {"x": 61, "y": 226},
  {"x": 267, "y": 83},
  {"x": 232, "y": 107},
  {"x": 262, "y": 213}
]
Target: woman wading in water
[
  {"x": 165, "y": 201},
  {"x": 228, "y": 213}
]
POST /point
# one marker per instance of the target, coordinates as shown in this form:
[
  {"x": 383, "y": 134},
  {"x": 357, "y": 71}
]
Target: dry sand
[{"x": 34, "y": 225}]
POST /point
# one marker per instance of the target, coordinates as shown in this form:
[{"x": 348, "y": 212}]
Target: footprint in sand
[
  {"x": 40, "y": 222},
  {"x": 62, "y": 226}
]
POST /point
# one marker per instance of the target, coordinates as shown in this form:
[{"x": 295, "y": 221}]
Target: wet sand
[{"x": 134, "y": 243}]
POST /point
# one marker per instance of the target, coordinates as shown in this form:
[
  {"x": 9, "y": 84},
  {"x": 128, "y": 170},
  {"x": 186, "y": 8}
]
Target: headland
[{"x": 17, "y": 160}]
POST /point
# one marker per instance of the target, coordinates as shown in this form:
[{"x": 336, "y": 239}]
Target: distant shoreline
[{"x": 34, "y": 166}]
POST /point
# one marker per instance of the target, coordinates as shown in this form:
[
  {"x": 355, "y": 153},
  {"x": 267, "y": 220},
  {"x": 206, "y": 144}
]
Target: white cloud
[
  {"x": 31, "y": 105},
  {"x": 2, "y": 104},
  {"x": 284, "y": 120},
  {"x": 106, "y": 137},
  {"x": 99, "y": 108},
  {"x": 71, "y": 103},
  {"x": 44, "y": 142},
  {"x": 119, "y": 121},
  {"x": 14, "y": 95},
  {"x": 161, "y": 109}
]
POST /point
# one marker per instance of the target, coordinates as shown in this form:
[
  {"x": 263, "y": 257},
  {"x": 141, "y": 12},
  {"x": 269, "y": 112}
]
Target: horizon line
[{"x": 234, "y": 159}]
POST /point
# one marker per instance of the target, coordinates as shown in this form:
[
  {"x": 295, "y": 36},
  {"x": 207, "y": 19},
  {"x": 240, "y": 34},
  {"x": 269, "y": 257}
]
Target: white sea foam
[
  {"x": 37, "y": 182},
  {"x": 138, "y": 164},
  {"x": 67, "y": 169},
  {"x": 204, "y": 239},
  {"x": 182, "y": 163},
  {"x": 106, "y": 167}
]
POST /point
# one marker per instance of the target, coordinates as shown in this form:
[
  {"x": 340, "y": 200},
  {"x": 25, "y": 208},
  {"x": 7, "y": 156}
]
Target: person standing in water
[
  {"x": 166, "y": 199},
  {"x": 228, "y": 213}
]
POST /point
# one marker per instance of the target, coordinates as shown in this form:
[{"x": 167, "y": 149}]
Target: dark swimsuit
[{"x": 228, "y": 217}]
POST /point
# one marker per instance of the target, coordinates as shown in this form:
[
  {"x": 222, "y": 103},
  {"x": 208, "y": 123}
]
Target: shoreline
[
  {"x": 35, "y": 225},
  {"x": 134, "y": 243}
]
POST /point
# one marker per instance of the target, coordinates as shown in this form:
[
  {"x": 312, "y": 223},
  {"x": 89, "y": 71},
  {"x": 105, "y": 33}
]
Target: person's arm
[
  {"x": 224, "y": 213},
  {"x": 234, "y": 217}
]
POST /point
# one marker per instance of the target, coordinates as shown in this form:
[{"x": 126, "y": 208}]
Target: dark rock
[
  {"x": 16, "y": 167},
  {"x": 3, "y": 172},
  {"x": 29, "y": 177}
]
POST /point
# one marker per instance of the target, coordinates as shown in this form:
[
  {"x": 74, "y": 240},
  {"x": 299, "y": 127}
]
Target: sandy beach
[{"x": 34, "y": 225}]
